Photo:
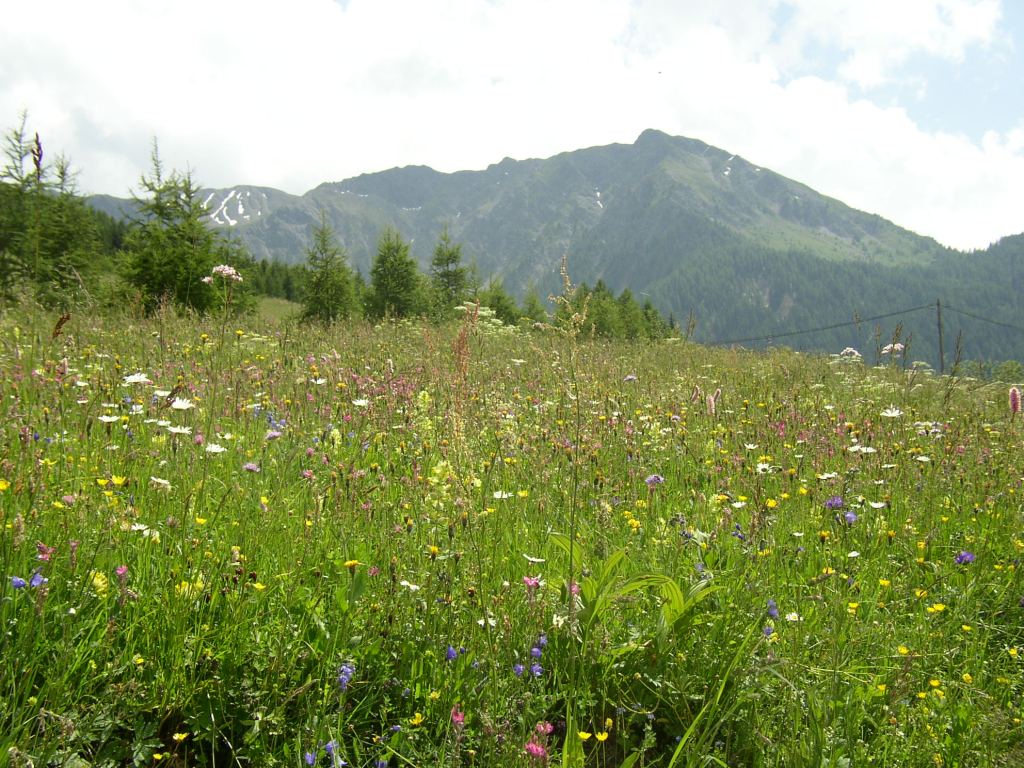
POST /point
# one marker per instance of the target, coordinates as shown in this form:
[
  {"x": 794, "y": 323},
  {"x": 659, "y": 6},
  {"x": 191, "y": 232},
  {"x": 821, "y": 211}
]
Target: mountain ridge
[{"x": 692, "y": 226}]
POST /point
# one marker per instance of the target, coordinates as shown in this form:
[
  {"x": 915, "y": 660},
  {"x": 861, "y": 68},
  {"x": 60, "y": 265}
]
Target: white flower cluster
[{"x": 223, "y": 270}]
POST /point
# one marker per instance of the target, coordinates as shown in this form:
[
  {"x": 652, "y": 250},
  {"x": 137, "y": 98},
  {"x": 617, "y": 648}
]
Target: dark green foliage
[
  {"x": 497, "y": 298},
  {"x": 609, "y": 317},
  {"x": 449, "y": 279},
  {"x": 50, "y": 241},
  {"x": 329, "y": 294},
  {"x": 534, "y": 307},
  {"x": 171, "y": 249},
  {"x": 283, "y": 281},
  {"x": 396, "y": 286}
]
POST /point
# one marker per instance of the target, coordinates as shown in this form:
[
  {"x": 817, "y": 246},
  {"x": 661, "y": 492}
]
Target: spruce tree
[
  {"x": 170, "y": 249},
  {"x": 396, "y": 288},
  {"x": 448, "y": 278},
  {"x": 329, "y": 294}
]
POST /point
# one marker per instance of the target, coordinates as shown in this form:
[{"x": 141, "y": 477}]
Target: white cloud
[{"x": 290, "y": 95}]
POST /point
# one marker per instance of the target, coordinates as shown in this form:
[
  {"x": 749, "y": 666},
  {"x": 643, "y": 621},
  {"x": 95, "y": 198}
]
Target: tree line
[{"x": 59, "y": 250}]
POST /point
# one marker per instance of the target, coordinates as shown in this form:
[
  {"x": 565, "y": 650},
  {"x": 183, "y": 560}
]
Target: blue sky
[
  {"x": 982, "y": 92},
  {"x": 911, "y": 109}
]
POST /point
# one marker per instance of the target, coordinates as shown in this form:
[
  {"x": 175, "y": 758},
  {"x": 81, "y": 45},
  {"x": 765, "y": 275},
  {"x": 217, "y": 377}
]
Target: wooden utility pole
[{"x": 942, "y": 357}]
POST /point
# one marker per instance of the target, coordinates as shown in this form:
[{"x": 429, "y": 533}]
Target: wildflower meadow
[{"x": 231, "y": 542}]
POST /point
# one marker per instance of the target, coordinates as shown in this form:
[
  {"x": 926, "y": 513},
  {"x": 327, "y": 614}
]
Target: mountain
[{"x": 694, "y": 228}]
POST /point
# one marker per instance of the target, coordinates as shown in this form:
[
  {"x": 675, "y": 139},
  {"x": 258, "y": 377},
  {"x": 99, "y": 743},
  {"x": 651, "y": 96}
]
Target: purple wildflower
[
  {"x": 536, "y": 669},
  {"x": 345, "y": 675},
  {"x": 653, "y": 481},
  {"x": 964, "y": 558},
  {"x": 518, "y": 669},
  {"x": 850, "y": 517},
  {"x": 18, "y": 583},
  {"x": 250, "y": 466},
  {"x": 773, "y": 609},
  {"x": 451, "y": 654},
  {"x": 834, "y": 502}
]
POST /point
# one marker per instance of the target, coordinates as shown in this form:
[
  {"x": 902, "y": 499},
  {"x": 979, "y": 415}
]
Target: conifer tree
[
  {"x": 330, "y": 290},
  {"x": 396, "y": 288},
  {"x": 448, "y": 278},
  {"x": 49, "y": 239},
  {"x": 171, "y": 249}
]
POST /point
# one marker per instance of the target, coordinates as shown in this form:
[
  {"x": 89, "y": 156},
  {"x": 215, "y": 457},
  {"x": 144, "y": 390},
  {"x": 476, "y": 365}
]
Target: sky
[{"x": 911, "y": 109}]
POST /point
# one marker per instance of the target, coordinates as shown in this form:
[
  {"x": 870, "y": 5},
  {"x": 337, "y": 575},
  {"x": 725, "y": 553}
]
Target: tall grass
[{"x": 480, "y": 545}]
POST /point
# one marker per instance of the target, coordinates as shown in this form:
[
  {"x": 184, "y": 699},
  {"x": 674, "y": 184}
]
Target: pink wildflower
[
  {"x": 537, "y": 751},
  {"x": 45, "y": 552}
]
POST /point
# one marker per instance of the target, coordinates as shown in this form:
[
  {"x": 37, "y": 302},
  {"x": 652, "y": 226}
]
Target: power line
[
  {"x": 984, "y": 319},
  {"x": 773, "y": 336}
]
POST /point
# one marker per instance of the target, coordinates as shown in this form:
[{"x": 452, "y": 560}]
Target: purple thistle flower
[{"x": 964, "y": 558}]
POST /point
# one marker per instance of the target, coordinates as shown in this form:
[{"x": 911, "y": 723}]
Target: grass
[
  {"x": 408, "y": 545},
  {"x": 273, "y": 309}
]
